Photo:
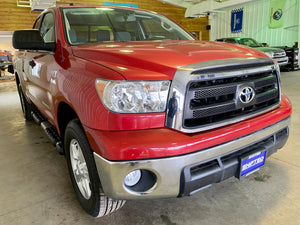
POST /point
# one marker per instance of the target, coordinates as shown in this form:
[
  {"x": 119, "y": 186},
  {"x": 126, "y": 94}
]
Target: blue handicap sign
[{"x": 236, "y": 20}]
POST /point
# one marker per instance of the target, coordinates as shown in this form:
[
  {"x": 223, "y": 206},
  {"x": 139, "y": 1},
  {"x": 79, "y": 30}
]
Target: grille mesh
[
  {"x": 279, "y": 54},
  {"x": 218, "y": 100}
]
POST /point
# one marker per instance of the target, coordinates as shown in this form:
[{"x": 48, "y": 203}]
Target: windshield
[
  {"x": 94, "y": 25},
  {"x": 249, "y": 42}
]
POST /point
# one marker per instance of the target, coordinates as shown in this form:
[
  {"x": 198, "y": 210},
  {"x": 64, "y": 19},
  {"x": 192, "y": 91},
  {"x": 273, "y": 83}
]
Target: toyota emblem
[{"x": 246, "y": 95}]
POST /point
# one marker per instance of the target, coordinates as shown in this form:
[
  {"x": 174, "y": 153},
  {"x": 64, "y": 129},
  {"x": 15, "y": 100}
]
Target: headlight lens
[
  {"x": 270, "y": 54},
  {"x": 133, "y": 96}
]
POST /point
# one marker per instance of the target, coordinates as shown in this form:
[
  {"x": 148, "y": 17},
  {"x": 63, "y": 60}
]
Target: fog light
[{"x": 132, "y": 178}]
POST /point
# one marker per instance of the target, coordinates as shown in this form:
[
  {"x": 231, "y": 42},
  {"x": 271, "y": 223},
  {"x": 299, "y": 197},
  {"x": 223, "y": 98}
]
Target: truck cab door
[{"x": 41, "y": 67}]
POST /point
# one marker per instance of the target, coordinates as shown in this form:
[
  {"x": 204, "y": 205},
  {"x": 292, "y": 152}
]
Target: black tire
[
  {"x": 93, "y": 201},
  {"x": 26, "y": 106}
]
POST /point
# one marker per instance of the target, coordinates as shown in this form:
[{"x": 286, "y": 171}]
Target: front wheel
[{"x": 84, "y": 175}]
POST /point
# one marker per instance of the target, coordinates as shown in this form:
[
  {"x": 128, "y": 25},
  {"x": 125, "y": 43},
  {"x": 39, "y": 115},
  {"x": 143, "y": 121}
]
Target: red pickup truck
[{"x": 141, "y": 109}]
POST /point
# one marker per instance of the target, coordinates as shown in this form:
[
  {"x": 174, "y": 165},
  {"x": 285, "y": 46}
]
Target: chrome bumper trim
[
  {"x": 282, "y": 61},
  {"x": 168, "y": 170}
]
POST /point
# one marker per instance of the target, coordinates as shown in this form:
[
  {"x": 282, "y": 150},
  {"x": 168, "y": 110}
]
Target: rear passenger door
[{"x": 40, "y": 68}]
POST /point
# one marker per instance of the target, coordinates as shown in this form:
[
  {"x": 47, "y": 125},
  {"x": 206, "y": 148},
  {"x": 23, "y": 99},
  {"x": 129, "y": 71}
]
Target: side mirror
[
  {"x": 30, "y": 40},
  {"x": 264, "y": 45}
]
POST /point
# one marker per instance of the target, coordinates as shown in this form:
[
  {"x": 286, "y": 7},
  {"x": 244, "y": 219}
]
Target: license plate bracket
[{"x": 251, "y": 163}]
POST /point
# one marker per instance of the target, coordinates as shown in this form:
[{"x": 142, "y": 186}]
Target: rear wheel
[
  {"x": 84, "y": 175},
  {"x": 26, "y": 106}
]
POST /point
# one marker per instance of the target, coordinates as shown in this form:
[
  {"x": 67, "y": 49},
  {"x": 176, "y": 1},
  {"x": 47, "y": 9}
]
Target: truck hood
[
  {"x": 158, "y": 60},
  {"x": 268, "y": 49}
]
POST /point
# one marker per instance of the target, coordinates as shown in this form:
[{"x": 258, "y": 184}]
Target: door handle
[{"x": 32, "y": 63}]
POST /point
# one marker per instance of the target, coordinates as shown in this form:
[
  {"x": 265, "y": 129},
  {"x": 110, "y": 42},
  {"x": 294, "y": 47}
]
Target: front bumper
[
  {"x": 186, "y": 174},
  {"x": 282, "y": 61}
]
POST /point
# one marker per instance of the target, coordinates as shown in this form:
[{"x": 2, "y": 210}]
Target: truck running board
[{"x": 49, "y": 130}]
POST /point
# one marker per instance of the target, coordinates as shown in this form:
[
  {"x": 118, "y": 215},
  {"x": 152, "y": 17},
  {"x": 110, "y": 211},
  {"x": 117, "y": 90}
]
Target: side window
[
  {"x": 47, "y": 28},
  {"x": 230, "y": 41}
]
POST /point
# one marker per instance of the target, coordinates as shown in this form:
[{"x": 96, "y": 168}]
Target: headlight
[
  {"x": 270, "y": 54},
  {"x": 133, "y": 96}
]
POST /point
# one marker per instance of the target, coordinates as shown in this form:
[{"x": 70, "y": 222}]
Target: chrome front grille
[
  {"x": 278, "y": 54},
  {"x": 218, "y": 100},
  {"x": 216, "y": 93}
]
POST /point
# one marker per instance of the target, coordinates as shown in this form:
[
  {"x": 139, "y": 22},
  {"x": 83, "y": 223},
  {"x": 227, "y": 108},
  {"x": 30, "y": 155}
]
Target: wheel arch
[{"x": 65, "y": 113}]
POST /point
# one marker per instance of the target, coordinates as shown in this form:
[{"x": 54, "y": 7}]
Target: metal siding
[{"x": 255, "y": 23}]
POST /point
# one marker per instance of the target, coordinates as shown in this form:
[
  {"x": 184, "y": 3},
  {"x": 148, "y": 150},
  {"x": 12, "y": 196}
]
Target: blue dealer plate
[{"x": 252, "y": 163}]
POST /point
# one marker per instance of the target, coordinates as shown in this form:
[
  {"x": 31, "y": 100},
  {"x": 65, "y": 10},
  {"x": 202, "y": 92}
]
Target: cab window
[
  {"x": 47, "y": 28},
  {"x": 230, "y": 40}
]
